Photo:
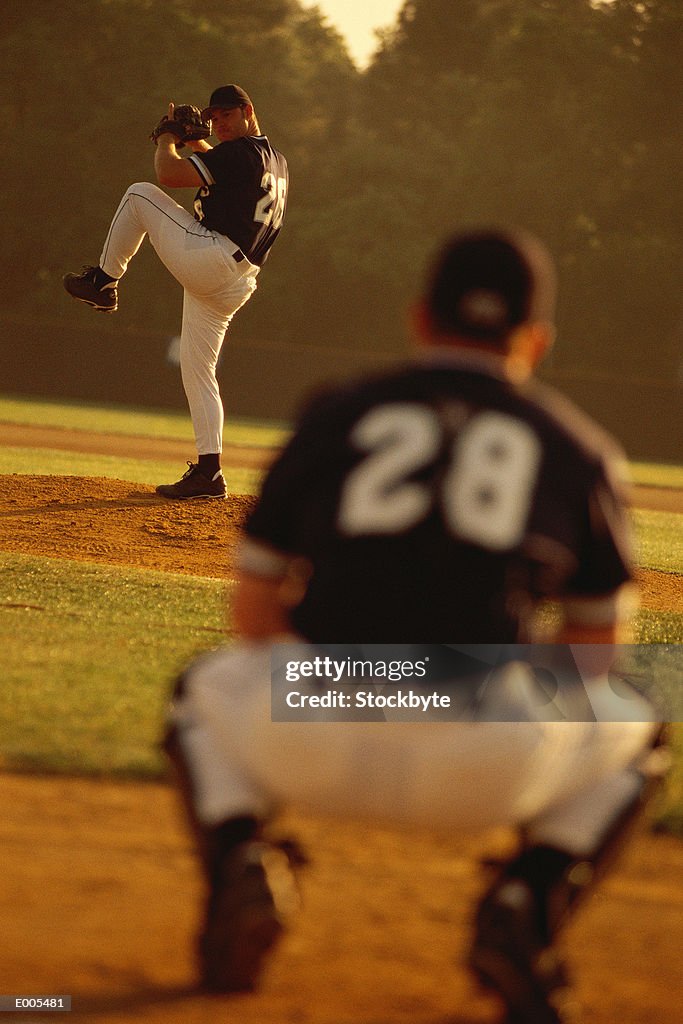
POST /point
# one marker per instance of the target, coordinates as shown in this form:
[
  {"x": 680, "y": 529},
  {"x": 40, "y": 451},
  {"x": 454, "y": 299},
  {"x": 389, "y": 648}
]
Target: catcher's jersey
[
  {"x": 440, "y": 504},
  {"x": 244, "y": 194}
]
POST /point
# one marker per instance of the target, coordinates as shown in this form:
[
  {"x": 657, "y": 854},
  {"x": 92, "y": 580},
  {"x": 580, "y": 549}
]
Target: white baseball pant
[
  {"x": 565, "y": 782},
  {"x": 214, "y": 284}
]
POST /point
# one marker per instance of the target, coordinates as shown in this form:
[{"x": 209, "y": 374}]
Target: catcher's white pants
[
  {"x": 215, "y": 287},
  {"x": 565, "y": 782}
]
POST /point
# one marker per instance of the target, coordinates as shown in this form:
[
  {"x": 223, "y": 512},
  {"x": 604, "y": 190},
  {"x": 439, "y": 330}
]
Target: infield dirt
[{"x": 100, "y": 895}]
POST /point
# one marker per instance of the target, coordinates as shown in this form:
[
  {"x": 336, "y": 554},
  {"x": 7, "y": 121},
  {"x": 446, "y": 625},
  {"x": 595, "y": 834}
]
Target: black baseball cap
[
  {"x": 225, "y": 98},
  {"x": 486, "y": 283}
]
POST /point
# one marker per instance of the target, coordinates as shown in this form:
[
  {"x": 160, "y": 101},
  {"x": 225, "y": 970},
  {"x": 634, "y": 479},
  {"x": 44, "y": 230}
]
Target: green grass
[
  {"x": 56, "y": 462},
  {"x": 116, "y": 419},
  {"x": 659, "y": 540},
  {"x": 89, "y": 656},
  {"x": 89, "y": 653},
  {"x": 651, "y": 474},
  {"x": 658, "y": 627},
  {"x": 124, "y": 422}
]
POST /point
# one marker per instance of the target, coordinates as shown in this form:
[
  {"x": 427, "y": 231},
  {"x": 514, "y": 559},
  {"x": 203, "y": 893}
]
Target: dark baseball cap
[
  {"x": 486, "y": 283},
  {"x": 225, "y": 98}
]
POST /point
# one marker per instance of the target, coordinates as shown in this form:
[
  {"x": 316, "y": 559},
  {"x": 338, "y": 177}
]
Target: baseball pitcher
[{"x": 215, "y": 253}]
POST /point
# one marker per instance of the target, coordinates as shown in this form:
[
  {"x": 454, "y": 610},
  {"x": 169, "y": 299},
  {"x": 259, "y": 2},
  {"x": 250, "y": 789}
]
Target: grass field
[
  {"x": 48, "y": 462},
  {"x": 116, "y": 419},
  {"x": 90, "y": 651},
  {"x": 90, "y": 655}
]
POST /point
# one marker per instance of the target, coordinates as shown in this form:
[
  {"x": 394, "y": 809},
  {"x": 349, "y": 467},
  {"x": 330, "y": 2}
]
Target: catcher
[
  {"x": 444, "y": 500},
  {"x": 215, "y": 253}
]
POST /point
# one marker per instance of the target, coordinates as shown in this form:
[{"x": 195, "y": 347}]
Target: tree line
[{"x": 560, "y": 117}]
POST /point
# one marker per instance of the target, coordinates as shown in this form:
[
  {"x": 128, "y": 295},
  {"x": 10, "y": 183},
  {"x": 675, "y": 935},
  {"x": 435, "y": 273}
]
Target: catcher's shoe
[
  {"x": 84, "y": 287},
  {"x": 193, "y": 484},
  {"x": 510, "y": 957},
  {"x": 253, "y": 893}
]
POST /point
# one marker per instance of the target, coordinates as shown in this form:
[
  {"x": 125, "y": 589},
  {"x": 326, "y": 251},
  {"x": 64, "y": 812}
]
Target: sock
[
  {"x": 101, "y": 279},
  {"x": 210, "y": 465},
  {"x": 220, "y": 840},
  {"x": 547, "y": 872},
  {"x": 235, "y": 831}
]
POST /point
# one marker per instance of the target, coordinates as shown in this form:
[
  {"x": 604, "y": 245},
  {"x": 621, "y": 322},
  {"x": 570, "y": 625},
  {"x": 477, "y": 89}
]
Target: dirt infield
[
  {"x": 101, "y": 520},
  {"x": 100, "y": 892},
  {"x": 100, "y": 897}
]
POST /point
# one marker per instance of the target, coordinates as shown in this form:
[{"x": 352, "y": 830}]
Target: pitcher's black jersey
[
  {"x": 440, "y": 504},
  {"x": 244, "y": 195}
]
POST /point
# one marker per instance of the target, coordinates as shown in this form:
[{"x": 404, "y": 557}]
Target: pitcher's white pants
[
  {"x": 215, "y": 287},
  {"x": 565, "y": 782}
]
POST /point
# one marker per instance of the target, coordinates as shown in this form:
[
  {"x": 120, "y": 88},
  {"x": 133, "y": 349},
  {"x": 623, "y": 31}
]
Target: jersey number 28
[
  {"x": 270, "y": 209},
  {"x": 485, "y": 492}
]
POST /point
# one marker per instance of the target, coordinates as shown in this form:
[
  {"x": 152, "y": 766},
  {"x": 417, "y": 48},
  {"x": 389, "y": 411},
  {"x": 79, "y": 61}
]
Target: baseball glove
[{"x": 187, "y": 124}]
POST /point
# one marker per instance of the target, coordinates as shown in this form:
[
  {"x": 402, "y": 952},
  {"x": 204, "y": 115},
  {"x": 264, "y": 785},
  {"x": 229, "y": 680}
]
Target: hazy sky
[{"x": 356, "y": 19}]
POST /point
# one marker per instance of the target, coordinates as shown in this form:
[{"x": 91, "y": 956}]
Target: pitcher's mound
[{"x": 100, "y": 520}]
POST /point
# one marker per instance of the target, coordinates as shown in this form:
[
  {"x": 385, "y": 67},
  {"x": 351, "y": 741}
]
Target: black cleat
[
  {"x": 509, "y": 957},
  {"x": 83, "y": 287},
  {"x": 193, "y": 484},
  {"x": 252, "y": 894}
]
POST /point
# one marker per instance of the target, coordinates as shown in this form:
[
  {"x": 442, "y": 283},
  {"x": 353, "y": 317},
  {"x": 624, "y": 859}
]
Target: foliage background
[{"x": 562, "y": 117}]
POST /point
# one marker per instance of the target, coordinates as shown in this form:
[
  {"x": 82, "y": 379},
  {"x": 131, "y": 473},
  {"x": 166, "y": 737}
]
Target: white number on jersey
[
  {"x": 270, "y": 209},
  {"x": 376, "y": 497},
  {"x": 485, "y": 494}
]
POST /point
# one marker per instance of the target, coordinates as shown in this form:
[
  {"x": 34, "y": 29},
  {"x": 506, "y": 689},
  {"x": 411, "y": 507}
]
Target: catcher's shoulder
[{"x": 564, "y": 416}]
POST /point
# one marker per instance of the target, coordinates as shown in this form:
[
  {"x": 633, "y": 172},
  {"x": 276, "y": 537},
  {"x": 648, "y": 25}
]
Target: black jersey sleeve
[
  {"x": 605, "y": 555},
  {"x": 226, "y": 166},
  {"x": 285, "y": 516},
  {"x": 582, "y": 502}
]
